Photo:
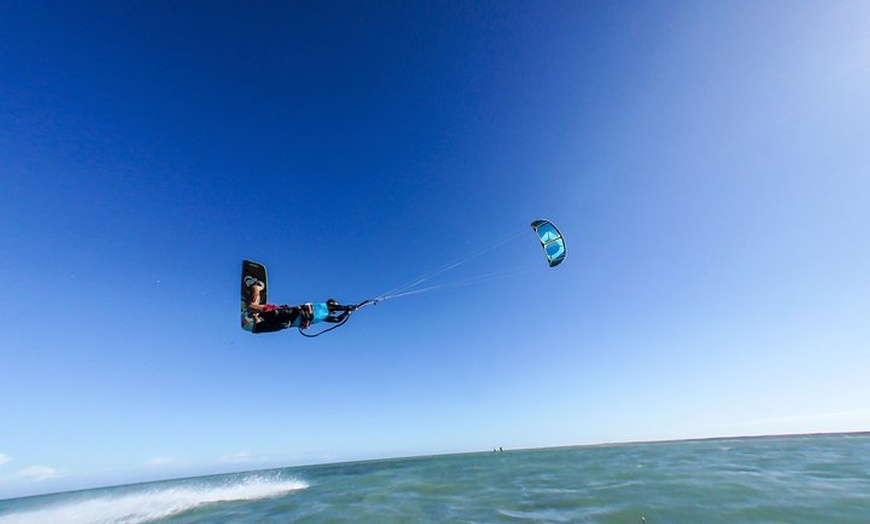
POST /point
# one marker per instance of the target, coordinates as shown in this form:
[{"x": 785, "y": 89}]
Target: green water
[{"x": 799, "y": 479}]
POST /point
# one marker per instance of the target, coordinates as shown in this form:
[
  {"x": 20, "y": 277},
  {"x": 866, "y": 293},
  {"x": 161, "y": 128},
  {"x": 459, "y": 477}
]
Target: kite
[
  {"x": 551, "y": 240},
  {"x": 257, "y": 316}
]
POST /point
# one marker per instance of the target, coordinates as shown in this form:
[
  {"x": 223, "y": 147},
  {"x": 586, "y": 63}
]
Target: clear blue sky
[{"x": 709, "y": 164}]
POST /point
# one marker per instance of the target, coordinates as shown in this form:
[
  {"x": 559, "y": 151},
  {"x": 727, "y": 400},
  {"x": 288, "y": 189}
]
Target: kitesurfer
[{"x": 266, "y": 318}]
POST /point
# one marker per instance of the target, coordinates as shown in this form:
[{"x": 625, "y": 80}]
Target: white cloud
[
  {"x": 39, "y": 473},
  {"x": 161, "y": 461},
  {"x": 5, "y": 459},
  {"x": 242, "y": 457}
]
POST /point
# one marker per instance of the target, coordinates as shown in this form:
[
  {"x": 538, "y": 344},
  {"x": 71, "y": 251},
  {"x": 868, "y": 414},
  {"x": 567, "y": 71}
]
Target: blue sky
[{"x": 706, "y": 162}]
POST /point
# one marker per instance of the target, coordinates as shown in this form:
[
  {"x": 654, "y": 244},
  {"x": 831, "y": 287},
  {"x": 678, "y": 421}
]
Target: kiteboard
[{"x": 253, "y": 273}]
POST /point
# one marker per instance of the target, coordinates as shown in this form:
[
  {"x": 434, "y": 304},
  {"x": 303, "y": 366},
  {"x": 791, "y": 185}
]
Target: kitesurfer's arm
[
  {"x": 334, "y": 307},
  {"x": 337, "y": 319}
]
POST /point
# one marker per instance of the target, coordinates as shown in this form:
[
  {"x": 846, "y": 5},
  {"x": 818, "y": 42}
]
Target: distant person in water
[{"x": 267, "y": 318}]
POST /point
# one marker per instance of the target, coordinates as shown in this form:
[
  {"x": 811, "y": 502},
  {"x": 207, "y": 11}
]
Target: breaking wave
[{"x": 146, "y": 503}]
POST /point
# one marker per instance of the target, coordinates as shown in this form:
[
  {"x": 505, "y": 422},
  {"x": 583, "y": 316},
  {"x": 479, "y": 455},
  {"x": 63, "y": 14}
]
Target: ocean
[{"x": 818, "y": 479}]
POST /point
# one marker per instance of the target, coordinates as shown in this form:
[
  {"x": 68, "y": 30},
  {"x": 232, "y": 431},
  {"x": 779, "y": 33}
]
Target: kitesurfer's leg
[
  {"x": 277, "y": 319},
  {"x": 266, "y": 326},
  {"x": 255, "y": 294}
]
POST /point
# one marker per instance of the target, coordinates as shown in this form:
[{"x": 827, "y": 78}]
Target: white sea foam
[{"x": 153, "y": 502}]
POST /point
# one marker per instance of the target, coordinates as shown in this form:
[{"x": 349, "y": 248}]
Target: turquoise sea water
[{"x": 797, "y": 479}]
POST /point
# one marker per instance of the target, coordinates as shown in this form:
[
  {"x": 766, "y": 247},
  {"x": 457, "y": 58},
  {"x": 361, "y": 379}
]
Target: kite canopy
[{"x": 551, "y": 240}]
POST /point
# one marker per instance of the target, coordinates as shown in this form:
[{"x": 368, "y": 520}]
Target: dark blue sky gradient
[{"x": 706, "y": 163}]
